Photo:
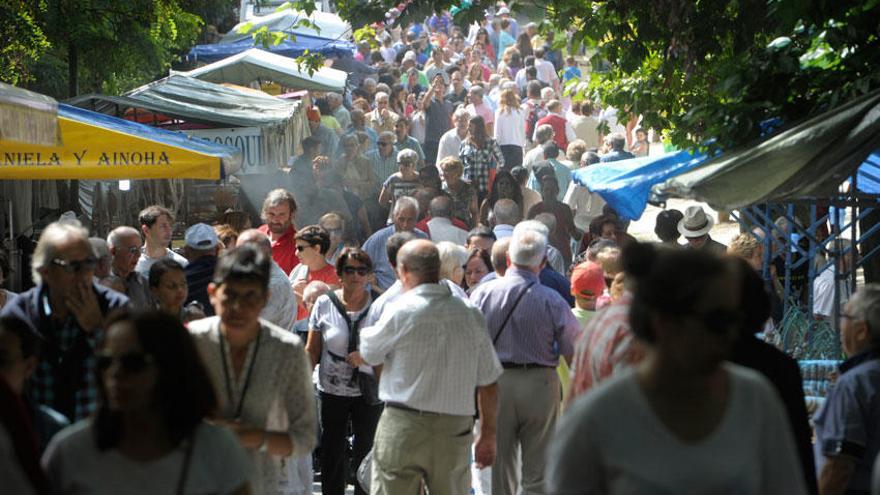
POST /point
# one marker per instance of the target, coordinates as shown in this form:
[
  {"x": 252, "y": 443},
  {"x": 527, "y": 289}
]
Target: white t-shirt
[
  {"x": 335, "y": 375},
  {"x": 145, "y": 262},
  {"x": 823, "y": 292},
  {"x": 611, "y": 442},
  {"x": 74, "y": 464},
  {"x": 450, "y": 145}
]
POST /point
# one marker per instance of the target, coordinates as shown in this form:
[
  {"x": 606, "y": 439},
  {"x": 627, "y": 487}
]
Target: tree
[
  {"x": 21, "y": 40},
  {"x": 716, "y": 70},
  {"x": 105, "y": 45}
]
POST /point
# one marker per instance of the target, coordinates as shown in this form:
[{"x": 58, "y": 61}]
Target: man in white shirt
[
  {"x": 440, "y": 227},
  {"x": 450, "y": 143},
  {"x": 543, "y": 133},
  {"x": 546, "y": 70},
  {"x": 156, "y": 225},
  {"x": 435, "y": 351},
  {"x": 823, "y": 285}
]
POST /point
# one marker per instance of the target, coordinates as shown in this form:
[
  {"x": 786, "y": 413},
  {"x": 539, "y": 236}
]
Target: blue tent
[
  {"x": 327, "y": 47},
  {"x": 626, "y": 185},
  {"x": 869, "y": 174}
]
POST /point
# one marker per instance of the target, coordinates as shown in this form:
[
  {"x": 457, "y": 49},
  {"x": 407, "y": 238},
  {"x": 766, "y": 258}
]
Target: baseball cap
[
  {"x": 503, "y": 11},
  {"x": 201, "y": 236},
  {"x": 587, "y": 280},
  {"x": 410, "y": 56}
]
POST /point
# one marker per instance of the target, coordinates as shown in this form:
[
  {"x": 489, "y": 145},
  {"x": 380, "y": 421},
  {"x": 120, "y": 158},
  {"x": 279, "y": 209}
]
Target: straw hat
[{"x": 695, "y": 222}]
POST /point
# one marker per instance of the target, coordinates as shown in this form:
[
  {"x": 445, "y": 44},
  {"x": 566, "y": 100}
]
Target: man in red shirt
[{"x": 279, "y": 210}]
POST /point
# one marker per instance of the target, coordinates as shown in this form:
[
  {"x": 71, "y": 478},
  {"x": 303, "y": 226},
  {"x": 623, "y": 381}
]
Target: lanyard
[{"x": 247, "y": 379}]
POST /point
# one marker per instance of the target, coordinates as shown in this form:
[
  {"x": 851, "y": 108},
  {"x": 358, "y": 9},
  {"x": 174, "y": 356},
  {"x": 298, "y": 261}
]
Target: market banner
[{"x": 96, "y": 146}]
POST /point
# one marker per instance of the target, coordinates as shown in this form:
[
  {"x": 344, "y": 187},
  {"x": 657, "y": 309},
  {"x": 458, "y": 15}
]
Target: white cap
[
  {"x": 503, "y": 11},
  {"x": 410, "y": 56},
  {"x": 201, "y": 236}
]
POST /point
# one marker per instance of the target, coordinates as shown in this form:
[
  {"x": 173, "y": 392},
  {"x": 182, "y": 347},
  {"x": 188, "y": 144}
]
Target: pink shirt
[{"x": 481, "y": 110}]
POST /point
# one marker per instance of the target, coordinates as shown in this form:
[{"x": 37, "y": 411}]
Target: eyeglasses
[
  {"x": 134, "y": 250},
  {"x": 77, "y": 266},
  {"x": 384, "y": 143},
  {"x": 131, "y": 362},
  {"x": 300, "y": 248},
  {"x": 351, "y": 270}
]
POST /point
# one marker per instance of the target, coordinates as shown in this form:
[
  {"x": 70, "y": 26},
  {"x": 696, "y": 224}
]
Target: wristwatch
[{"x": 264, "y": 445}]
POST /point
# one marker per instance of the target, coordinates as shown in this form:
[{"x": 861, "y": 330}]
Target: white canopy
[
  {"x": 260, "y": 65},
  {"x": 331, "y": 25}
]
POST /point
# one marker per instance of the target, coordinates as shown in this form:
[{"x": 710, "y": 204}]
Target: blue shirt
[
  {"x": 375, "y": 247},
  {"x": 563, "y": 179},
  {"x": 849, "y": 421},
  {"x": 541, "y": 327},
  {"x": 571, "y": 72}
]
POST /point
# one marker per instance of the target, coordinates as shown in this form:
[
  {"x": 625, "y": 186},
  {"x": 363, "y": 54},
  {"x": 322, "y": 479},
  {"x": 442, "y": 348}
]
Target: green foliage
[
  {"x": 716, "y": 69},
  {"x": 114, "y": 45},
  {"x": 307, "y": 62},
  {"x": 21, "y": 40}
]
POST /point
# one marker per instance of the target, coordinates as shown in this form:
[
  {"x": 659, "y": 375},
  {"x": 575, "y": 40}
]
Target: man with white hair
[
  {"x": 450, "y": 142},
  {"x": 531, "y": 326},
  {"x": 435, "y": 354},
  {"x": 102, "y": 254},
  {"x": 404, "y": 216},
  {"x": 125, "y": 250},
  {"x": 543, "y": 134},
  {"x": 381, "y": 118},
  {"x": 338, "y": 110},
  {"x": 67, "y": 309}
]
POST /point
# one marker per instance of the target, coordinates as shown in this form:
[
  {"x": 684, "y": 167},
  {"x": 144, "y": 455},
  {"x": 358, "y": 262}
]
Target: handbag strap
[
  {"x": 353, "y": 326},
  {"x": 187, "y": 457},
  {"x": 510, "y": 313}
]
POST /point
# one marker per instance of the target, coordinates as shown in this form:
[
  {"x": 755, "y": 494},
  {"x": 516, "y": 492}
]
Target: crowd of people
[{"x": 430, "y": 298}]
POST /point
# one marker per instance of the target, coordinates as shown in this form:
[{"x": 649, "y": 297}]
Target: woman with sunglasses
[
  {"x": 312, "y": 246},
  {"x": 682, "y": 420},
  {"x": 330, "y": 344},
  {"x": 149, "y": 433},
  {"x": 261, "y": 371}
]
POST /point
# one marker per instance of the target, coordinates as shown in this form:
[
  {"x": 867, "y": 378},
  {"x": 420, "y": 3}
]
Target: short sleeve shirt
[
  {"x": 849, "y": 421},
  {"x": 335, "y": 376}
]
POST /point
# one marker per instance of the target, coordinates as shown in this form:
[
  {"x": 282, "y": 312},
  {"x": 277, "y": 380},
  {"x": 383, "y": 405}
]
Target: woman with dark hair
[
  {"x": 149, "y": 434},
  {"x": 397, "y": 99},
  {"x": 260, "y": 371},
  {"x": 482, "y": 40},
  {"x": 524, "y": 44},
  {"x": 334, "y": 328},
  {"x": 312, "y": 246},
  {"x": 682, "y": 420},
  {"x": 169, "y": 288},
  {"x": 481, "y": 157},
  {"x": 477, "y": 266},
  {"x": 504, "y": 187}
]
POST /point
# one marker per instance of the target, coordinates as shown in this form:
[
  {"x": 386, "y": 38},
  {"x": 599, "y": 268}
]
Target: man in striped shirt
[{"x": 531, "y": 326}]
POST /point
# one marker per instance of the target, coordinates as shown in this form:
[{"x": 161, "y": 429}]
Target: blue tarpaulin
[
  {"x": 330, "y": 48},
  {"x": 869, "y": 174},
  {"x": 626, "y": 185}
]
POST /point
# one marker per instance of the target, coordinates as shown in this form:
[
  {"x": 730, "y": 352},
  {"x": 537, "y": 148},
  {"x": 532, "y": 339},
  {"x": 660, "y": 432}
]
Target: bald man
[
  {"x": 281, "y": 307},
  {"x": 435, "y": 350}
]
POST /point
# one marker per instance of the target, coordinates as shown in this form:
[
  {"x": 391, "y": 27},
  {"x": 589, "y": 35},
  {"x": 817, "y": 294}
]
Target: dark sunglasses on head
[
  {"x": 131, "y": 362},
  {"x": 360, "y": 270},
  {"x": 75, "y": 266}
]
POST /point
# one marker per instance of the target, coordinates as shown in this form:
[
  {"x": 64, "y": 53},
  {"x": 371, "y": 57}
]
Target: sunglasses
[
  {"x": 77, "y": 266},
  {"x": 300, "y": 249},
  {"x": 383, "y": 143},
  {"x": 131, "y": 362},
  {"x": 351, "y": 270}
]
